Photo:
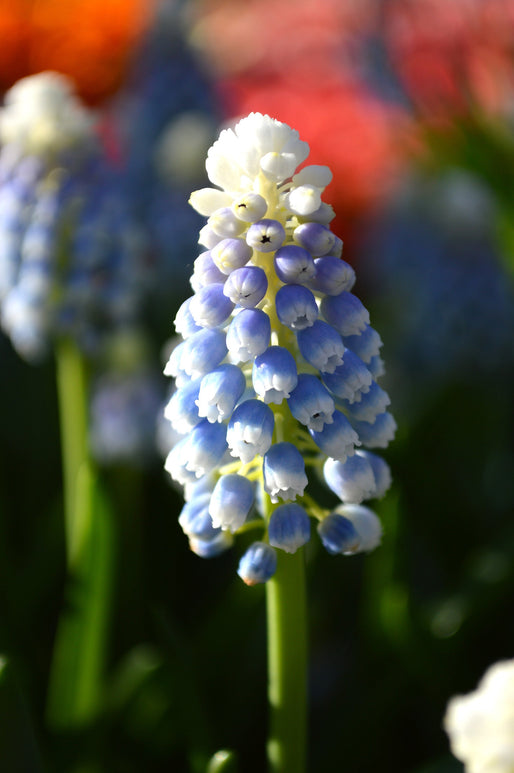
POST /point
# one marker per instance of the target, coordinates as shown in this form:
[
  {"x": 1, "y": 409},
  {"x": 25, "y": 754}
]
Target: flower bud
[
  {"x": 266, "y": 235},
  {"x": 258, "y": 564}
]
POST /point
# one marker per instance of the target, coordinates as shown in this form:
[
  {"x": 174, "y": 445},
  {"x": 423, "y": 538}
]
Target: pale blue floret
[
  {"x": 230, "y": 254},
  {"x": 377, "y": 434},
  {"x": 208, "y": 238},
  {"x": 284, "y": 472},
  {"x": 202, "y": 352},
  {"x": 176, "y": 461},
  {"x": 294, "y": 265},
  {"x": 184, "y": 322},
  {"x": 310, "y": 403},
  {"x": 274, "y": 374},
  {"x": 199, "y": 486},
  {"x": 381, "y": 472},
  {"x": 250, "y": 430},
  {"x": 206, "y": 272},
  {"x": 315, "y": 238},
  {"x": 266, "y": 235},
  {"x": 173, "y": 366},
  {"x": 345, "y": 312},
  {"x": 195, "y": 519},
  {"x": 258, "y": 564},
  {"x": 332, "y": 276},
  {"x": 365, "y": 345},
  {"x": 210, "y": 306},
  {"x": 205, "y": 447},
  {"x": 376, "y": 366},
  {"x": 366, "y": 523},
  {"x": 337, "y": 439},
  {"x": 338, "y": 534},
  {"x": 231, "y": 502},
  {"x": 248, "y": 334},
  {"x": 211, "y": 548},
  {"x": 296, "y": 306},
  {"x": 321, "y": 346},
  {"x": 289, "y": 527},
  {"x": 352, "y": 480},
  {"x": 350, "y": 380},
  {"x": 219, "y": 392},
  {"x": 246, "y": 286},
  {"x": 181, "y": 409},
  {"x": 225, "y": 224},
  {"x": 371, "y": 404}
]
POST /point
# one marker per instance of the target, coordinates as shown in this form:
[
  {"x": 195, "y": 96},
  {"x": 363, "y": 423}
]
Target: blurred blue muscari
[
  {"x": 69, "y": 255},
  {"x": 166, "y": 118},
  {"x": 276, "y": 375},
  {"x": 450, "y": 314}
]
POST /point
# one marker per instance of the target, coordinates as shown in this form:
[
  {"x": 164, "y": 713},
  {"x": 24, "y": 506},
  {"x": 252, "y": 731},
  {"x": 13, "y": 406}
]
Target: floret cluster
[{"x": 276, "y": 375}]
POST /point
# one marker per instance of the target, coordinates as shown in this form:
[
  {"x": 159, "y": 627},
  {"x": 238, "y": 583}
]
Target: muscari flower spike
[
  {"x": 69, "y": 256},
  {"x": 276, "y": 376}
]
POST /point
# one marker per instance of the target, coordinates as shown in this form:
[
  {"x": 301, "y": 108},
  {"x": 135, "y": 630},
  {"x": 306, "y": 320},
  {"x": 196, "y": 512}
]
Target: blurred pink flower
[{"x": 453, "y": 57}]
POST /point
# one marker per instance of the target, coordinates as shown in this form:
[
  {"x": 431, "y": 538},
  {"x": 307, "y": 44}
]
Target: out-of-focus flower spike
[{"x": 70, "y": 255}]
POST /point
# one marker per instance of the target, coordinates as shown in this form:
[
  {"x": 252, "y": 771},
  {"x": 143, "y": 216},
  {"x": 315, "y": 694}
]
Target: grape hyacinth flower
[
  {"x": 276, "y": 384},
  {"x": 276, "y": 377}
]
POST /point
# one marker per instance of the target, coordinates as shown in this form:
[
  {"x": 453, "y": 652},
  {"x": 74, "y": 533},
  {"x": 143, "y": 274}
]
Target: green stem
[
  {"x": 287, "y": 664},
  {"x": 72, "y": 392}
]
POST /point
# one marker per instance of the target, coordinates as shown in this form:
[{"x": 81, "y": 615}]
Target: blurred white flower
[{"x": 480, "y": 725}]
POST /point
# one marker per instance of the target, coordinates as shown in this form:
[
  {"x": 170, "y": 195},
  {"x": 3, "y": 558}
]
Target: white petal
[
  {"x": 320, "y": 176},
  {"x": 208, "y": 200}
]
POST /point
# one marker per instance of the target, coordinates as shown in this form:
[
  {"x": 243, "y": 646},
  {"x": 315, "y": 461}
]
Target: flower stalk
[{"x": 287, "y": 664}]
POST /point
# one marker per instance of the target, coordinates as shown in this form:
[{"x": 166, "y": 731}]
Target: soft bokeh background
[{"x": 411, "y": 103}]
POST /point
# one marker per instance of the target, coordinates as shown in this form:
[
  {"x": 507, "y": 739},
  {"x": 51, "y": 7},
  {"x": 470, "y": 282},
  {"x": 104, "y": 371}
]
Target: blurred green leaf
[{"x": 75, "y": 691}]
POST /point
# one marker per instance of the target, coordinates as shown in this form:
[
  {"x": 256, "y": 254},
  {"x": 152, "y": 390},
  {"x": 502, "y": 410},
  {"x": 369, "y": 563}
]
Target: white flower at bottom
[{"x": 480, "y": 725}]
